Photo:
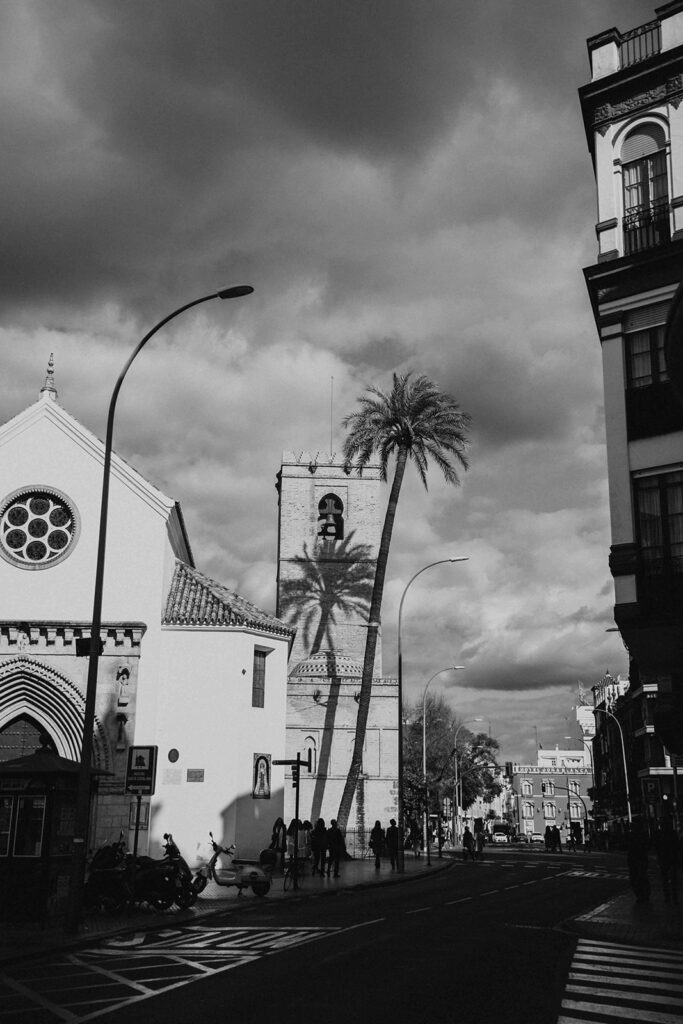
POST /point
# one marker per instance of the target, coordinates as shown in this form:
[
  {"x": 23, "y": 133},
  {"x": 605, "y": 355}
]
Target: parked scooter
[{"x": 243, "y": 876}]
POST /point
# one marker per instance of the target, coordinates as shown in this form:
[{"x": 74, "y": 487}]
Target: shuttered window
[{"x": 258, "y": 685}]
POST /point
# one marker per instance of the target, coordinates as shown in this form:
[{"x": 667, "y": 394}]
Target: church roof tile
[{"x": 196, "y": 600}]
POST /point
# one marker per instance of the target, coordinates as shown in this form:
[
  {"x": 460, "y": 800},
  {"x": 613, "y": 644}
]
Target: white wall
[{"x": 205, "y": 712}]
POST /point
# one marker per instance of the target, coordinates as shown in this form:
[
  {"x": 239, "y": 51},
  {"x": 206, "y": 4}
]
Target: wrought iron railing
[
  {"x": 646, "y": 226},
  {"x": 639, "y": 44}
]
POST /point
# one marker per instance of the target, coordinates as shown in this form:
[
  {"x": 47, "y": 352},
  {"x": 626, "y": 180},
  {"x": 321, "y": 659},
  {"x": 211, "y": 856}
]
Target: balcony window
[
  {"x": 659, "y": 510},
  {"x": 646, "y": 193},
  {"x": 645, "y": 363}
]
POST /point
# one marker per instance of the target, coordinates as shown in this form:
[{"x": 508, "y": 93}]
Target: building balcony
[
  {"x": 639, "y": 44},
  {"x": 646, "y": 226}
]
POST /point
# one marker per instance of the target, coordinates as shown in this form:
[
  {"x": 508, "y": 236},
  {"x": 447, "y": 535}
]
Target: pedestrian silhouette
[{"x": 377, "y": 843}]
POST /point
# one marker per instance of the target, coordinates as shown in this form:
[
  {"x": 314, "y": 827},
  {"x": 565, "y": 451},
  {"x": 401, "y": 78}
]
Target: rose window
[{"x": 38, "y": 527}]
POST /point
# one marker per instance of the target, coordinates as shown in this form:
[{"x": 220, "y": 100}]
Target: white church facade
[{"x": 187, "y": 666}]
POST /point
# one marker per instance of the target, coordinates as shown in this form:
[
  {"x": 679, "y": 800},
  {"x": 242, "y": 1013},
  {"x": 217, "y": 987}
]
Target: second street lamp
[
  {"x": 603, "y": 711},
  {"x": 441, "y": 561},
  {"x": 425, "y": 828},
  {"x": 82, "y": 810}
]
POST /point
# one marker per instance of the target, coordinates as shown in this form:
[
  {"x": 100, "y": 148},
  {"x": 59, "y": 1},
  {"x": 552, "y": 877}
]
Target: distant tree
[
  {"x": 416, "y": 421},
  {"x": 439, "y": 729}
]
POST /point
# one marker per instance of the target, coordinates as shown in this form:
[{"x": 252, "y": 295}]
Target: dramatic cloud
[{"x": 406, "y": 185}]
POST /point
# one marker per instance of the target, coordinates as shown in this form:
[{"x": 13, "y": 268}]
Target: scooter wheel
[
  {"x": 260, "y": 888},
  {"x": 161, "y": 902},
  {"x": 185, "y": 898}
]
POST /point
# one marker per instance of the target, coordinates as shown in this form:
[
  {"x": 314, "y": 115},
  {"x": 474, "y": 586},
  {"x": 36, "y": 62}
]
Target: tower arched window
[
  {"x": 646, "y": 190},
  {"x": 331, "y": 517},
  {"x": 311, "y": 751}
]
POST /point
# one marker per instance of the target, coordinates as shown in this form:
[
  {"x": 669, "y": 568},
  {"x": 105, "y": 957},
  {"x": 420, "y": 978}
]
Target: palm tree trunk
[{"x": 371, "y": 643}]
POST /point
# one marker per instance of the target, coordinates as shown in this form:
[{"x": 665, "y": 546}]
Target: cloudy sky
[{"x": 407, "y": 186}]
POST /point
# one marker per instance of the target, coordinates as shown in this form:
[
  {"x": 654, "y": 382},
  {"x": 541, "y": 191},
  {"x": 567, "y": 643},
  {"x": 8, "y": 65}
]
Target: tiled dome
[{"x": 328, "y": 663}]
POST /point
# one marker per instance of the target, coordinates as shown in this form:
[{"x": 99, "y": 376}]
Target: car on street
[
  {"x": 499, "y": 837},
  {"x": 537, "y": 837}
]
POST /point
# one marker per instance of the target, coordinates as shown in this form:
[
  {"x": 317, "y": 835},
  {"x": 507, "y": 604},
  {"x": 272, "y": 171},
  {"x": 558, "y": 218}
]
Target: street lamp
[
  {"x": 82, "y": 810},
  {"x": 425, "y": 828},
  {"x": 441, "y": 561},
  {"x": 456, "y": 801},
  {"x": 623, "y": 754}
]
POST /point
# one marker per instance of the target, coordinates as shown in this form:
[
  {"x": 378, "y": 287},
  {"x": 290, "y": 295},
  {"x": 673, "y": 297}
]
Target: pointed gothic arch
[{"x": 29, "y": 688}]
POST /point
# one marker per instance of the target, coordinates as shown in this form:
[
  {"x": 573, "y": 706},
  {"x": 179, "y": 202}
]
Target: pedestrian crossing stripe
[
  {"x": 637, "y": 983},
  {"x": 88, "y": 983},
  {"x": 580, "y": 873}
]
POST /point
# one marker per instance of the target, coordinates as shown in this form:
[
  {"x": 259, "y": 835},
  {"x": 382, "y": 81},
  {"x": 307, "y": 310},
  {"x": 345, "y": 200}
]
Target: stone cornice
[
  {"x": 670, "y": 91},
  {"x": 36, "y": 636}
]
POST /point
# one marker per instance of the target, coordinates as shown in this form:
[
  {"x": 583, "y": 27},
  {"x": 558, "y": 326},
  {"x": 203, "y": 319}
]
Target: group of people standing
[
  {"x": 325, "y": 846},
  {"x": 552, "y": 839},
  {"x": 381, "y": 840}
]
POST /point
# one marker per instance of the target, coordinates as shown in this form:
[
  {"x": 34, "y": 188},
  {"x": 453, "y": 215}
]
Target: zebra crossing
[
  {"x": 609, "y": 982},
  {"x": 89, "y": 983}
]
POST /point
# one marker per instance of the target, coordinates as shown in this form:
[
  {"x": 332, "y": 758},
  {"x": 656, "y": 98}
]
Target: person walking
[
  {"x": 377, "y": 839},
  {"x": 637, "y": 860},
  {"x": 479, "y": 845},
  {"x": 548, "y": 838},
  {"x": 392, "y": 843},
  {"x": 557, "y": 840},
  {"x": 668, "y": 851},
  {"x": 467, "y": 844},
  {"x": 278, "y": 841},
  {"x": 319, "y": 846},
  {"x": 335, "y": 847}
]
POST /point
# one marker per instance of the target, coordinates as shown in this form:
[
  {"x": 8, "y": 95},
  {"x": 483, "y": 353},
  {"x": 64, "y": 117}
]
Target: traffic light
[
  {"x": 508, "y": 769},
  {"x": 295, "y": 776}
]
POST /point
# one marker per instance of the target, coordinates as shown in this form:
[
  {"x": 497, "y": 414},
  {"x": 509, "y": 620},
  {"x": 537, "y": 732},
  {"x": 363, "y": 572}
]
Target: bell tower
[{"x": 329, "y": 528}]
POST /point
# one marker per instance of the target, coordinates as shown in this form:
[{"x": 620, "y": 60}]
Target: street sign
[{"x": 141, "y": 772}]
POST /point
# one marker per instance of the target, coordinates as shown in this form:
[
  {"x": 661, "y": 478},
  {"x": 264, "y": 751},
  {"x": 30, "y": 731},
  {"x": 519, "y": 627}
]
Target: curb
[{"x": 83, "y": 941}]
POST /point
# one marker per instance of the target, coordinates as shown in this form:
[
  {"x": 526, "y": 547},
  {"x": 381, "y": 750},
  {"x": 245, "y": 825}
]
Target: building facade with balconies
[{"x": 633, "y": 115}]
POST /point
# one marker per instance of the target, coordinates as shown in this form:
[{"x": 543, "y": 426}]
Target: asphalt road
[{"x": 479, "y": 942}]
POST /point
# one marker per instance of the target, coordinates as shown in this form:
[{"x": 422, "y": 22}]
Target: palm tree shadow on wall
[
  {"x": 326, "y": 744},
  {"x": 335, "y": 579}
]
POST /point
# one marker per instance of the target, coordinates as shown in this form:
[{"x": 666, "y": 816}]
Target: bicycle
[{"x": 295, "y": 872}]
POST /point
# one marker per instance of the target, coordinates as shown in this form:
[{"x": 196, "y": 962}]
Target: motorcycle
[
  {"x": 118, "y": 879},
  {"x": 242, "y": 876},
  {"x": 161, "y": 883},
  {"x": 108, "y": 886}
]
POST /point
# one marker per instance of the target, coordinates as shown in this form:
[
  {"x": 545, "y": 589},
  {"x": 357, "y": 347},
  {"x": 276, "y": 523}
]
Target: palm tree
[
  {"x": 337, "y": 579},
  {"x": 417, "y": 421}
]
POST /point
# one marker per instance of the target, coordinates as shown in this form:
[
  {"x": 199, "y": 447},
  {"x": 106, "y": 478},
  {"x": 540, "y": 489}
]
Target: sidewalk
[
  {"x": 621, "y": 919},
  {"x": 26, "y": 939}
]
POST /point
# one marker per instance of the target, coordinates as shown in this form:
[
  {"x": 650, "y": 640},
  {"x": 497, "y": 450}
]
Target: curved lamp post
[
  {"x": 604, "y": 711},
  {"x": 425, "y": 817},
  {"x": 456, "y": 800},
  {"x": 441, "y": 561},
  {"x": 82, "y": 811}
]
